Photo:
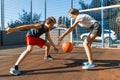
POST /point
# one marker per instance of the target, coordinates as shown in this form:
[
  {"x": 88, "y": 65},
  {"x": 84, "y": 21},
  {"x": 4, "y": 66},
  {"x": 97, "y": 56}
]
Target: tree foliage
[
  {"x": 63, "y": 22},
  {"x": 25, "y": 18},
  {"x": 110, "y": 15},
  {"x": 83, "y": 5}
]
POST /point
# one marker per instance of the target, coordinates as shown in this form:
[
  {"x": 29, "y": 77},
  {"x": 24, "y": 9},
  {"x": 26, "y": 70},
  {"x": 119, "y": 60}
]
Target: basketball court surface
[{"x": 65, "y": 66}]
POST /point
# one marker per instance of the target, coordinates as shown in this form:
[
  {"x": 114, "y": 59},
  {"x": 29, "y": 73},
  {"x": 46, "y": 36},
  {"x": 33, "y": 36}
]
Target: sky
[{"x": 54, "y": 8}]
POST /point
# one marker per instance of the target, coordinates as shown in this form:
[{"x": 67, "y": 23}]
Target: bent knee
[
  {"x": 86, "y": 43},
  {"x": 47, "y": 44},
  {"x": 29, "y": 49}
]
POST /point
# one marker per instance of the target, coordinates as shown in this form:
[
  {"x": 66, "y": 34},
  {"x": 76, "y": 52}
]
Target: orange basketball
[{"x": 67, "y": 46}]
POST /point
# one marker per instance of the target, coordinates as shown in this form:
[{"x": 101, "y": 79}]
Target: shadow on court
[{"x": 65, "y": 66}]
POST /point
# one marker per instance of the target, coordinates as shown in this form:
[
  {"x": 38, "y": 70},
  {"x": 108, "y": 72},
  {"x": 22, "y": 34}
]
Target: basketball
[{"x": 67, "y": 46}]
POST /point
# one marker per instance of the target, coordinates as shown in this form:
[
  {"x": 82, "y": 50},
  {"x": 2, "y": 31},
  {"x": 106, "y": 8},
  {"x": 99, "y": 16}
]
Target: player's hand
[
  {"x": 9, "y": 30},
  {"x": 56, "y": 49},
  {"x": 60, "y": 38}
]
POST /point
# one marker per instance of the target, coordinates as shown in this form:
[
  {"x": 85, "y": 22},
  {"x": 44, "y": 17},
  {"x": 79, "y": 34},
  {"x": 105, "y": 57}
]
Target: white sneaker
[
  {"x": 14, "y": 71},
  {"x": 88, "y": 66},
  {"x": 85, "y": 63}
]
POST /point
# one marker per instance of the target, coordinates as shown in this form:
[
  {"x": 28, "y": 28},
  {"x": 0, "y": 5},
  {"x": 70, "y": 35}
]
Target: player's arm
[
  {"x": 68, "y": 31},
  {"x": 23, "y": 27},
  {"x": 49, "y": 39},
  {"x": 51, "y": 42}
]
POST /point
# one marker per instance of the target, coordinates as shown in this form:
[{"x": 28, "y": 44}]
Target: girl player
[{"x": 90, "y": 23}]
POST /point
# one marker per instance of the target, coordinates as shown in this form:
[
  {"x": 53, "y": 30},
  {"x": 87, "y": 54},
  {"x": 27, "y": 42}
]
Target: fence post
[{"x": 102, "y": 20}]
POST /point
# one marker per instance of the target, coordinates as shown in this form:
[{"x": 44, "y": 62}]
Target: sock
[{"x": 16, "y": 67}]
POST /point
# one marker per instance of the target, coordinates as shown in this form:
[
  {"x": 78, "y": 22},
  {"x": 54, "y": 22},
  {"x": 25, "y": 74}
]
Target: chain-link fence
[{"x": 18, "y": 12}]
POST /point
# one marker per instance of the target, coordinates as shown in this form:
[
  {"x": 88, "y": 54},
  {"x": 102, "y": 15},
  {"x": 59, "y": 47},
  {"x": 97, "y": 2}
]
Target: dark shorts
[
  {"x": 96, "y": 29},
  {"x": 35, "y": 41}
]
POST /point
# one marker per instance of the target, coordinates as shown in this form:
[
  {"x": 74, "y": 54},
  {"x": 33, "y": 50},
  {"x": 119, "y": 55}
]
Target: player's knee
[
  {"x": 29, "y": 49},
  {"x": 47, "y": 44},
  {"x": 85, "y": 43}
]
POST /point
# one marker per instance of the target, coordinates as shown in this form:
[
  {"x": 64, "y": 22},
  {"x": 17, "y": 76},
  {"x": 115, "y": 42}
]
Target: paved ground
[{"x": 65, "y": 66}]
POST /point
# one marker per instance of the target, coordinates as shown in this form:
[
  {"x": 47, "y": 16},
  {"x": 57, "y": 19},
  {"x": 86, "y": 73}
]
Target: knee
[
  {"x": 48, "y": 45},
  {"x": 85, "y": 43},
  {"x": 29, "y": 50}
]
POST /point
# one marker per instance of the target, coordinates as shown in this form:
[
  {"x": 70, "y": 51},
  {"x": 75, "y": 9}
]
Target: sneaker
[
  {"x": 85, "y": 63},
  {"x": 88, "y": 66},
  {"x": 14, "y": 71},
  {"x": 49, "y": 57}
]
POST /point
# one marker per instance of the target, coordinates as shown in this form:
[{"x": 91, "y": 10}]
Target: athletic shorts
[
  {"x": 35, "y": 41},
  {"x": 96, "y": 29}
]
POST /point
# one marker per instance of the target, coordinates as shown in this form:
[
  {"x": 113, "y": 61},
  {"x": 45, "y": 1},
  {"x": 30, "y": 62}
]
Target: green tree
[
  {"x": 67, "y": 22},
  {"x": 61, "y": 22},
  {"x": 95, "y": 3},
  {"x": 25, "y": 18},
  {"x": 115, "y": 21},
  {"x": 111, "y": 16},
  {"x": 15, "y": 23},
  {"x": 83, "y": 5}
]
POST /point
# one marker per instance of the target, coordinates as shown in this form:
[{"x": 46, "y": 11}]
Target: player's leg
[
  {"x": 47, "y": 48},
  {"x": 47, "y": 54},
  {"x": 87, "y": 45},
  {"x": 41, "y": 42},
  {"x": 15, "y": 69},
  {"x": 95, "y": 31},
  {"x": 29, "y": 42},
  {"x": 24, "y": 54}
]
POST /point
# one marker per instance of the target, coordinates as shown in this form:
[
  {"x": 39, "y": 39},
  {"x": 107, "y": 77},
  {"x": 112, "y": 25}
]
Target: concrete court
[{"x": 65, "y": 66}]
